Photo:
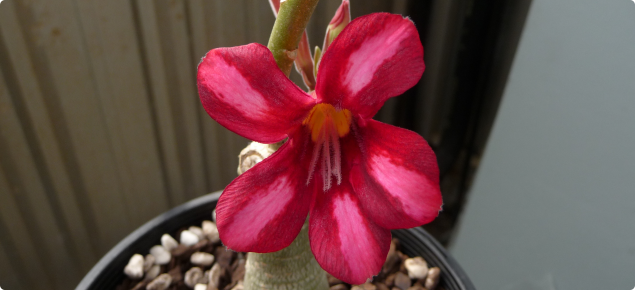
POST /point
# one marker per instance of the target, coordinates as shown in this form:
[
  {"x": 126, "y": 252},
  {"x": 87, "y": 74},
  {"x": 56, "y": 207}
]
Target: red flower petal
[
  {"x": 264, "y": 209},
  {"x": 397, "y": 178},
  {"x": 243, "y": 89},
  {"x": 345, "y": 243},
  {"x": 376, "y": 57}
]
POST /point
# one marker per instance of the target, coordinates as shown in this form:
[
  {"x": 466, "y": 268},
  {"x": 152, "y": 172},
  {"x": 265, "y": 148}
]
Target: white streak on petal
[
  {"x": 265, "y": 205},
  {"x": 353, "y": 234},
  {"x": 364, "y": 62},
  {"x": 401, "y": 183},
  {"x": 233, "y": 89}
]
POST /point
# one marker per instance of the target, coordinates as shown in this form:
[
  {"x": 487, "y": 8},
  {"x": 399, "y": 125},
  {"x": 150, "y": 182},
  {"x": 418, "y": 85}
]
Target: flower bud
[
  {"x": 304, "y": 62},
  {"x": 317, "y": 56},
  {"x": 340, "y": 20}
]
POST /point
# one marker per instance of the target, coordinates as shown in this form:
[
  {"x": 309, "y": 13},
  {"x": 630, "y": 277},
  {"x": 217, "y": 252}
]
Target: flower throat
[{"x": 327, "y": 125}]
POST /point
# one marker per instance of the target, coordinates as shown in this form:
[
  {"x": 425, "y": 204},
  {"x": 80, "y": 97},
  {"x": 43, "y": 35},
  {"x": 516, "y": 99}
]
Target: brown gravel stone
[
  {"x": 402, "y": 281},
  {"x": 201, "y": 244},
  {"x": 176, "y": 273},
  {"x": 381, "y": 286},
  {"x": 392, "y": 260},
  {"x": 239, "y": 270},
  {"x": 368, "y": 286},
  {"x": 332, "y": 280},
  {"x": 365, "y": 286},
  {"x": 182, "y": 250},
  {"x": 141, "y": 285},
  {"x": 390, "y": 280},
  {"x": 339, "y": 287},
  {"x": 230, "y": 286},
  {"x": 224, "y": 257}
]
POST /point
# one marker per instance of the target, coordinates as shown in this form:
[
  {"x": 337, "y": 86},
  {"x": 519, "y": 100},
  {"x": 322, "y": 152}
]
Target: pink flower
[{"x": 356, "y": 178}]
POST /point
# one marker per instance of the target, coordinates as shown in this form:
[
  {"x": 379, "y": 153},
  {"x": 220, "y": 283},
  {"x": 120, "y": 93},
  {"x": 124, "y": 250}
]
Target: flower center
[{"x": 327, "y": 125}]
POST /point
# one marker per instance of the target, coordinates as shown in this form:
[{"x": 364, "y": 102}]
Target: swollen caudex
[{"x": 327, "y": 125}]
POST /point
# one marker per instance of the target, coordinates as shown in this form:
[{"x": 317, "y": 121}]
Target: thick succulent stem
[
  {"x": 287, "y": 31},
  {"x": 291, "y": 268},
  {"x": 295, "y": 266}
]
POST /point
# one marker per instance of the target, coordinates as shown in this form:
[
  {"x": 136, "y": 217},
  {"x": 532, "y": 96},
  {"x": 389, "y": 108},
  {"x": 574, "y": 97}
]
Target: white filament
[
  {"x": 337, "y": 157},
  {"x": 329, "y": 145},
  {"x": 316, "y": 154}
]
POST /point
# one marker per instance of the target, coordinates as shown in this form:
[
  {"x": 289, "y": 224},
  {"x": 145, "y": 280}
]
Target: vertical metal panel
[
  {"x": 116, "y": 68},
  {"x": 59, "y": 55},
  {"x": 11, "y": 277},
  {"x": 185, "y": 103},
  {"x": 15, "y": 235},
  {"x": 25, "y": 204},
  {"x": 19, "y": 70},
  {"x": 166, "y": 121}
]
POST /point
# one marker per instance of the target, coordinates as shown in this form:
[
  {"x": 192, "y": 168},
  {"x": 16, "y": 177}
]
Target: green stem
[{"x": 287, "y": 31}]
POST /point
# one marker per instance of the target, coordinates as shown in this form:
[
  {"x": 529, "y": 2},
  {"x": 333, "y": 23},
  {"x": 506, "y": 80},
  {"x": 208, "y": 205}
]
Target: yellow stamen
[
  {"x": 327, "y": 126},
  {"x": 326, "y": 113}
]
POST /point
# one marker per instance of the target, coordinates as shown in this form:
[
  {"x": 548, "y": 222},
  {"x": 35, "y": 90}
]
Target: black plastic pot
[{"x": 108, "y": 272}]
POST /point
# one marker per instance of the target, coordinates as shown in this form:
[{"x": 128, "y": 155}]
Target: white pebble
[
  {"x": 417, "y": 267},
  {"x": 160, "y": 283},
  {"x": 188, "y": 238},
  {"x": 148, "y": 262},
  {"x": 168, "y": 242},
  {"x": 433, "y": 278},
  {"x": 211, "y": 231},
  {"x": 214, "y": 276},
  {"x": 202, "y": 259},
  {"x": 197, "y": 231},
  {"x": 200, "y": 287},
  {"x": 161, "y": 255},
  {"x": 193, "y": 276},
  {"x": 153, "y": 272},
  {"x": 134, "y": 269}
]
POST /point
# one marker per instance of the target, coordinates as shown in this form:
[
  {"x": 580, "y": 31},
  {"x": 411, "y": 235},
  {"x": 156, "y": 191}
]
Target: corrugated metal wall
[{"x": 101, "y": 128}]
